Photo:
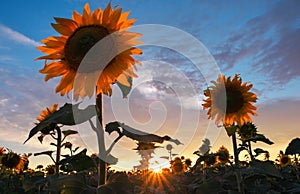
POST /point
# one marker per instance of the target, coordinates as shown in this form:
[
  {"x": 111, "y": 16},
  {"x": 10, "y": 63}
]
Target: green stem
[
  {"x": 237, "y": 164},
  {"x": 101, "y": 143},
  {"x": 236, "y": 156},
  {"x": 250, "y": 151},
  {"x": 58, "y": 148}
]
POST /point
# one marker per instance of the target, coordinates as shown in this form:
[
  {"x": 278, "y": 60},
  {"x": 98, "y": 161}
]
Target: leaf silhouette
[
  {"x": 260, "y": 137},
  {"x": 49, "y": 153},
  {"x": 137, "y": 135},
  {"x": 77, "y": 162},
  {"x": 69, "y": 132},
  {"x": 293, "y": 147},
  {"x": 65, "y": 115}
]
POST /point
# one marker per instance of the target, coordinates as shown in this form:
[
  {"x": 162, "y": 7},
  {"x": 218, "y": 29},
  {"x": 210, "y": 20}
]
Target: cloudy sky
[{"x": 187, "y": 44}]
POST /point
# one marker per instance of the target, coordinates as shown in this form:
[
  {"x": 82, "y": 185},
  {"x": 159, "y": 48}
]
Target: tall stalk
[
  {"x": 250, "y": 151},
  {"x": 236, "y": 156},
  {"x": 101, "y": 143},
  {"x": 58, "y": 149}
]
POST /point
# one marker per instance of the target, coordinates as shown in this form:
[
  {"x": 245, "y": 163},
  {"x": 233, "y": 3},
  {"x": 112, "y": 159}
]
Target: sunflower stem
[
  {"x": 101, "y": 143},
  {"x": 58, "y": 149},
  {"x": 250, "y": 151},
  {"x": 236, "y": 156}
]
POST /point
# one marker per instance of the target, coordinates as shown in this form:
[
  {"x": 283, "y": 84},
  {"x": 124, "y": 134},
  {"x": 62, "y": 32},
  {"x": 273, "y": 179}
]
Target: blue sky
[{"x": 259, "y": 40}]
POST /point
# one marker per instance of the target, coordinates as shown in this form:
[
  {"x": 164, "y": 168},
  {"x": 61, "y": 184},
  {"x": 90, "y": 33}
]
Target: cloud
[
  {"x": 269, "y": 43},
  {"x": 17, "y": 36}
]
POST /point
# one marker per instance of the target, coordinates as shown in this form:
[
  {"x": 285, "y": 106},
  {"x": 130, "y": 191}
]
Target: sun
[
  {"x": 65, "y": 53},
  {"x": 158, "y": 164},
  {"x": 157, "y": 170}
]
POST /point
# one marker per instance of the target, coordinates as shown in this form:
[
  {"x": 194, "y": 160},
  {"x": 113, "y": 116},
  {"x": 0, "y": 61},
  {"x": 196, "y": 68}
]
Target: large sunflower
[
  {"x": 230, "y": 101},
  {"x": 78, "y": 35}
]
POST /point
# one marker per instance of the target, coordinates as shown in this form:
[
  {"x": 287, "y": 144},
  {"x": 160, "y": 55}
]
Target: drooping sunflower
[
  {"x": 65, "y": 53},
  {"x": 230, "y": 101},
  {"x": 43, "y": 115},
  {"x": 46, "y": 112},
  {"x": 247, "y": 130},
  {"x": 223, "y": 155}
]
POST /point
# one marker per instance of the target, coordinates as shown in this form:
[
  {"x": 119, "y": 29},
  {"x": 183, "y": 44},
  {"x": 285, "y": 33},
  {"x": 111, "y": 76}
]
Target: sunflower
[
  {"x": 247, "y": 130},
  {"x": 14, "y": 161},
  {"x": 45, "y": 113},
  {"x": 223, "y": 155},
  {"x": 284, "y": 160},
  {"x": 230, "y": 101},
  {"x": 65, "y": 53},
  {"x": 2, "y": 151}
]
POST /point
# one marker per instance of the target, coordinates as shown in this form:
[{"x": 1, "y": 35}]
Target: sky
[{"x": 188, "y": 44}]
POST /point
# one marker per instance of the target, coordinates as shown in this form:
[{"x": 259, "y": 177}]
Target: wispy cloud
[
  {"x": 17, "y": 36},
  {"x": 268, "y": 42}
]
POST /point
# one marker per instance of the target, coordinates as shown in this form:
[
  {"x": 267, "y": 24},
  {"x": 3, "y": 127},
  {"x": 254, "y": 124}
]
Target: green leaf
[
  {"x": 260, "y": 137},
  {"x": 75, "y": 149},
  {"x": 293, "y": 147},
  {"x": 125, "y": 89},
  {"x": 49, "y": 153},
  {"x": 41, "y": 138},
  {"x": 78, "y": 162},
  {"x": 69, "y": 132},
  {"x": 259, "y": 151},
  {"x": 69, "y": 114},
  {"x": 231, "y": 130}
]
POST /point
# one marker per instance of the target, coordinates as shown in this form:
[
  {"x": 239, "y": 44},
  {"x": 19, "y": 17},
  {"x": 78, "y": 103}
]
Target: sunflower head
[
  {"x": 13, "y": 160},
  {"x": 223, "y": 155},
  {"x": 177, "y": 165},
  {"x": 284, "y": 160},
  {"x": 47, "y": 112},
  {"x": 247, "y": 130},
  {"x": 43, "y": 115},
  {"x": 230, "y": 101},
  {"x": 109, "y": 61},
  {"x": 2, "y": 151}
]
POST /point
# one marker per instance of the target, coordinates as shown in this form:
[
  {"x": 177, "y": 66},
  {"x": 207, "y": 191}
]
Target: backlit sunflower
[
  {"x": 65, "y": 53},
  {"x": 48, "y": 111},
  {"x": 284, "y": 160},
  {"x": 223, "y": 155},
  {"x": 230, "y": 101},
  {"x": 43, "y": 115},
  {"x": 2, "y": 151}
]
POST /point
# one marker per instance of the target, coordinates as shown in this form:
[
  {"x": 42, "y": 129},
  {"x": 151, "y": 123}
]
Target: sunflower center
[
  {"x": 284, "y": 160},
  {"x": 81, "y": 41},
  {"x": 235, "y": 100}
]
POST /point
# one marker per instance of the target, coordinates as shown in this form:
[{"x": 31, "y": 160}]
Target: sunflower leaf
[
  {"x": 260, "y": 137},
  {"x": 136, "y": 134},
  {"x": 69, "y": 132},
  {"x": 293, "y": 147},
  {"x": 69, "y": 114},
  {"x": 49, "y": 153},
  {"x": 125, "y": 89},
  {"x": 53, "y": 144}
]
